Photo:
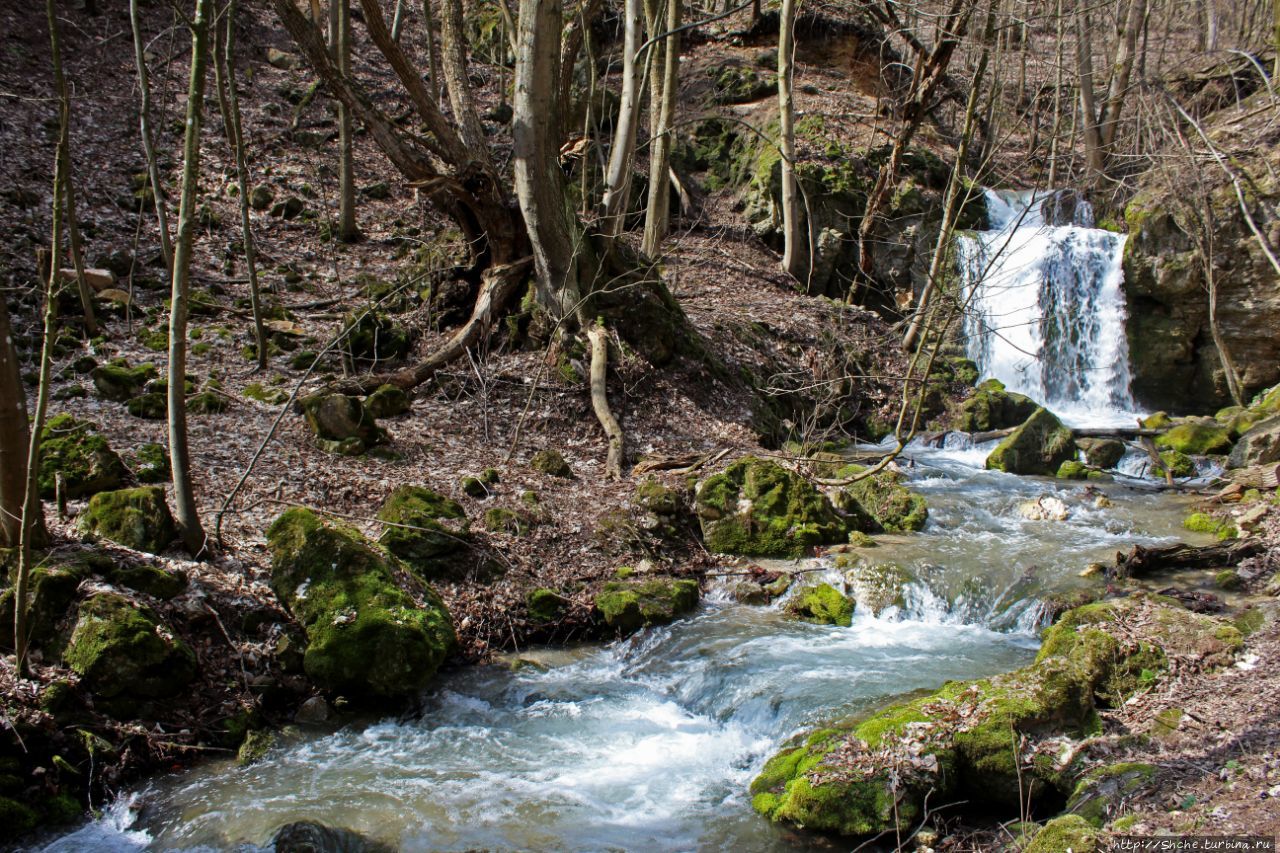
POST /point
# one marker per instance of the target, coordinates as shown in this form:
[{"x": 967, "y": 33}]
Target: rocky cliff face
[{"x": 1176, "y": 365}]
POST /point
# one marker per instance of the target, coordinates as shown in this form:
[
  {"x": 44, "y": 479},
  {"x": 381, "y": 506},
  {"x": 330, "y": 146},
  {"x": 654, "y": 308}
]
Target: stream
[{"x": 650, "y": 743}]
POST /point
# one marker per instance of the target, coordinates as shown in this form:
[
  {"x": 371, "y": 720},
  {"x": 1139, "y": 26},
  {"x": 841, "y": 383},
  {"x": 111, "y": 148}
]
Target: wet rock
[
  {"x": 758, "y": 508},
  {"x": 309, "y": 837},
  {"x": 257, "y": 743},
  {"x": 992, "y": 407},
  {"x": 822, "y": 604},
  {"x": 427, "y": 530},
  {"x": 551, "y": 462},
  {"x": 627, "y": 606},
  {"x": 1178, "y": 464},
  {"x": 877, "y": 587},
  {"x": 1039, "y": 446},
  {"x": 123, "y": 651},
  {"x": 136, "y": 518},
  {"x": 1102, "y": 452},
  {"x": 880, "y": 503},
  {"x": 86, "y": 462},
  {"x": 1195, "y": 438},
  {"x": 1260, "y": 445},
  {"x": 367, "y": 638}
]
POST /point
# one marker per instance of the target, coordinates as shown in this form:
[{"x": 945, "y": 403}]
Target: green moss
[
  {"x": 1159, "y": 420},
  {"x": 336, "y": 417},
  {"x": 992, "y": 407},
  {"x": 628, "y": 606},
  {"x": 1067, "y": 833},
  {"x": 263, "y": 394},
  {"x": 119, "y": 382},
  {"x": 823, "y": 604},
  {"x": 136, "y": 518},
  {"x": 880, "y": 503},
  {"x": 387, "y": 401},
  {"x": 1195, "y": 439},
  {"x": 1165, "y": 724},
  {"x": 151, "y": 463},
  {"x": 1039, "y": 446},
  {"x": 156, "y": 340},
  {"x": 207, "y": 403},
  {"x": 18, "y": 817},
  {"x": 152, "y": 407},
  {"x": 1178, "y": 464},
  {"x": 375, "y": 337},
  {"x": 758, "y": 508},
  {"x": 122, "y": 650},
  {"x": 84, "y": 459},
  {"x": 502, "y": 520},
  {"x": 474, "y": 487},
  {"x": 1199, "y": 522},
  {"x": 1228, "y": 579},
  {"x": 427, "y": 530},
  {"x": 551, "y": 462},
  {"x": 1105, "y": 789},
  {"x": 1250, "y": 621},
  {"x": 1073, "y": 470},
  {"x": 652, "y": 496},
  {"x": 545, "y": 605},
  {"x": 367, "y": 637},
  {"x": 147, "y": 578},
  {"x": 257, "y": 743},
  {"x": 52, "y": 591}
]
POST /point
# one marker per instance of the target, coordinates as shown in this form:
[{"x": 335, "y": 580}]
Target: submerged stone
[
  {"x": 311, "y": 837},
  {"x": 1039, "y": 446},
  {"x": 758, "y": 508},
  {"x": 366, "y": 636},
  {"x": 136, "y": 518}
]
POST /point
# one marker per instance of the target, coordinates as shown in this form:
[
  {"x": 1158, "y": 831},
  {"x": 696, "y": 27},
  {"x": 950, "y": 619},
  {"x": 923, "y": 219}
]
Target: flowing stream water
[{"x": 650, "y": 743}]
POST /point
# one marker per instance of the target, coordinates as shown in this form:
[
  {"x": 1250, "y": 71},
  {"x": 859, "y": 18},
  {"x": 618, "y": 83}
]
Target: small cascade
[{"x": 1046, "y": 306}]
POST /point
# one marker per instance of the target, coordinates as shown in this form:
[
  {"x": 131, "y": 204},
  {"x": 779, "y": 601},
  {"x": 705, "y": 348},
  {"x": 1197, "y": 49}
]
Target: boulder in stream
[
  {"x": 998, "y": 740},
  {"x": 1039, "y": 446},
  {"x": 1102, "y": 452},
  {"x": 629, "y": 605},
  {"x": 367, "y": 637},
  {"x": 1260, "y": 445},
  {"x": 310, "y": 837},
  {"x": 992, "y": 407},
  {"x": 1196, "y": 438},
  {"x": 822, "y": 604},
  {"x": 880, "y": 503}
]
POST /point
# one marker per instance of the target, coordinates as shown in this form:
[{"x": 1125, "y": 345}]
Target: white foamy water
[{"x": 1046, "y": 306}]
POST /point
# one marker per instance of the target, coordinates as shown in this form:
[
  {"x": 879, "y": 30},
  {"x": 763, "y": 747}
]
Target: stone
[
  {"x": 1195, "y": 438},
  {"x": 337, "y": 417},
  {"x": 120, "y": 383},
  {"x": 1102, "y": 452},
  {"x": 387, "y": 402},
  {"x": 148, "y": 579},
  {"x": 1103, "y": 791},
  {"x": 629, "y": 605},
  {"x": 551, "y": 462},
  {"x": 545, "y": 605},
  {"x": 1178, "y": 464},
  {"x": 428, "y": 531},
  {"x": 311, "y": 837},
  {"x": 757, "y": 508},
  {"x": 876, "y": 587},
  {"x": 1066, "y": 833},
  {"x": 277, "y": 58},
  {"x": 53, "y": 589},
  {"x": 375, "y": 337},
  {"x": 1260, "y": 445},
  {"x": 290, "y": 208},
  {"x": 367, "y": 637},
  {"x": 1039, "y": 446},
  {"x": 207, "y": 403},
  {"x": 122, "y": 650},
  {"x": 822, "y": 604},
  {"x": 257, "y": 743},
  {"x": 261, "y": 197},
  {"x": 880, "y": 503},
  {"x": 151, "y": 407},
  {"x": 86, "y": 462},
  {"x": 991, "y": 408},
  {"x": 136, "y": 518}
]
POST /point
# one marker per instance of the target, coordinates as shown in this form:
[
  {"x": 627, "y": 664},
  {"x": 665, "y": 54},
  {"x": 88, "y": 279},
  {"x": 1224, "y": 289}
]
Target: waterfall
[{"x": 1046, "y": 309}]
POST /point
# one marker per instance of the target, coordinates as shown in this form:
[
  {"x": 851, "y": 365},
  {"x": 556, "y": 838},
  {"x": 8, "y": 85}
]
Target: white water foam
[{"x": 1046, "y": 306}]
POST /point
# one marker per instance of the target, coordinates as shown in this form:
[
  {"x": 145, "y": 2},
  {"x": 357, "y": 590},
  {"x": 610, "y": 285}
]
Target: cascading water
[{"x": 1046, "y": 307}]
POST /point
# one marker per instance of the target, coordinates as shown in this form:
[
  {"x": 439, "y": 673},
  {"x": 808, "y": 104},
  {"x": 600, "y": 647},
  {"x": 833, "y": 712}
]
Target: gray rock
[{"x": 1259, "y": 446}]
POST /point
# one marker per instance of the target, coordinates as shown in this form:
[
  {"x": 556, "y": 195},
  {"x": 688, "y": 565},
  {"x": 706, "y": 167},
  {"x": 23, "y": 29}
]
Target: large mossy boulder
[
  {"x": 992, "y": 407},
  {"x": 629, "y": 605},
  {"x": 367, "y": 637},
  {"x": 1260, "y": 445},
  {"x": 86, "y": 462},
  {"x": 124, "y": 652},
  {"x": 758, "y": 508},
  {"x": 52, "y": 591},
  {"x": 136, "y": 518},
  {"x": 1066, "y": 833},
  {"x": 1196, "y": 438},
  {"x": 1039, "y": 446},
  {"x": 822, "y": 604},
  {"x": 426, "y": 530},
  {"x": 119, "y": 382},
  {"x": 880, "y": 503},
  {"x": 995, "y": 742},
  {"x": 341, "y": 423}
]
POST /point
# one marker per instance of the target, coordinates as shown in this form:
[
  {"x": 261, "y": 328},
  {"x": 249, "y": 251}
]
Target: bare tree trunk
[
  {"x": 658, "y": 213},
  {"x": 340, "y": 42},
  {"x": 15, "y": 437},
  {"x": 454, "y": 54},
  {"x": 575, "y": 36},
  {"x": 187, "y": 516},
  {"x": 1055, "y": 133},
  {"x": 617, "y": 191},
  {"x": 1088, "y": 111},
  {"x": 433, "y": 50},
  {"x": 224, "y": 72},
  {"x": 397, "y": 21},
  {"x": 600, "y": 399},
  {"x": 148, "y": 143},
  {"x": 1121, "y": 69},
  {"x": 794, "y": 256}
]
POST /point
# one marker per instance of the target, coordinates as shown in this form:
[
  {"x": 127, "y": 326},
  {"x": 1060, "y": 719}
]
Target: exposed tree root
[{"x": 600, "y": 401}]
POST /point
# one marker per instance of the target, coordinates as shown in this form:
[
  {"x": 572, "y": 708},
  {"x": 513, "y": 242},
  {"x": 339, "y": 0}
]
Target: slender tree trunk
[
  {"x": 433, "y": 50},
  {"x": 453, "y": 44},
  {"x": 1121, "y": 70},
  {"x": 148, "y": 143},
  {"x": 15, "y": 437},
  {"x": 1088, "y": 111},
  {"x": 397, "y": 20},
  {"x": 64, "y": 150},
  {"x": 599, "y": 339},
  {"x": 658, "y": 213},
  {"x": 340, "y": 41},
  {"x": 622, "y": 154},
  {"x": 224, "y": 72},
  {"x": 183, "y": 493},
  {"x": 1055, "y": 133},
  {"x": 794, "y": 256}
]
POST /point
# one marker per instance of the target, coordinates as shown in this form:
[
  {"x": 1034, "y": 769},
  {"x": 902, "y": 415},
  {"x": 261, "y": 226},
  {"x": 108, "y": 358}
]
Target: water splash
[{"x": 1046, "y": 305}]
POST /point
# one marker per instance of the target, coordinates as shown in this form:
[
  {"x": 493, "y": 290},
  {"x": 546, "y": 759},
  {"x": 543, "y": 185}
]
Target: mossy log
[{"x": 1142, "y": 560}]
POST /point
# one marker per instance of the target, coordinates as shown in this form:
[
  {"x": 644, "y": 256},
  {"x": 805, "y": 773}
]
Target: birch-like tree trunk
[
  {"x": 148, "y": 141},
  {"x": 794, "y": 254},
  {"x": 658, "y": 211},
  {"x": 340, "y": 38},
  {"x": 617, "y": 191},
  {"x": 187, "y": 516}
]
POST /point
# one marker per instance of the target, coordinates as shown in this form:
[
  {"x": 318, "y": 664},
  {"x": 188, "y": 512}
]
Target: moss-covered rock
[
  {"x": 151, "y": 463},
  {"x": 1102, "y": 452},
  {"x": 1103, "y": 790},
  {"x": 146, "y": 578},
  {"x": 1178, "y": 464},
  {"x": 207, "y": 402},
  {"x": 1039, "y": 446},
  {"x": 123, "y": 651},
  {"x": 263, "y": 394},
  {"x": 758, "y": 508},
  {"x": 880, "y": 503},
  {"x": 1195, "y": 438},
  {"x": 878, "y": 586},
  {"x": 629, "y": 605},
  {"x": 339, "y": 418},
  {"x": 502, "y": 520},
  {"x": 52, "y": 591},
  {"x": 387, "y": 401},
  {"x": 427, "y": 530},
  {"x": 823, "y": 604},
  {"x": 1200, "y": 522},
  {"x": 1066, "y": 833},
  {"x": 367, "y": 637},
  {"x": 545, "y": 605},
  {"x": 84, "y": 459},
  {"x": 118, "y": 382},
  {"x": 992, "y": 407},
  {"x": 551, "y": 462},
  {"x": 136, "y": 518},
  {"x": 997, "y": 739},
  {"x": 375, "y": 337},
  {"x": 257, "y": 743},
  {"x": 151, "y": 407}
]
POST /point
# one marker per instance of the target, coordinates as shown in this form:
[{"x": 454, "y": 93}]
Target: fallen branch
[
  {"x": 1141, "y": 560},
  {"x": 599, "y": 338}
]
